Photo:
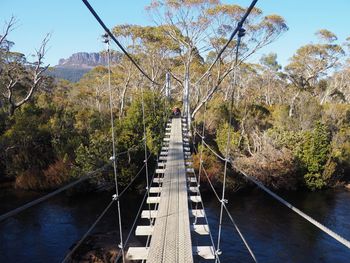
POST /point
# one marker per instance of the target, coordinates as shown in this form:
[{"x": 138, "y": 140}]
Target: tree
[
  {"x": 93, "y": 89},
  {"x": 205, "y": 26},
  {"x": 314, "y": 155},
  {"x": 337, "y": 87},
  {"x": 261, "y": 31},
  {"x": 19, "y": 78},
  {"x": 4, "y": 43},
  {"x": 151, "y": 49},
  {"x": 269, "y": 74},
  {"x": 186, "y": 23},
  {"x": 312, "y": 62}
]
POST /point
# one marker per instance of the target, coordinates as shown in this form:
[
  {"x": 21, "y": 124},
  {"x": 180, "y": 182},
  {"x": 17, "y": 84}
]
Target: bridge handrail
[{"x": 49, "y": 195}]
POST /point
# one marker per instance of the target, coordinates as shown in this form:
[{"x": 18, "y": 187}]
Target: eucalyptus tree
[
  {"x": 339, "y": 82},
  {"x": 8, "y": 28},
  {"x": 270, "y": 70},
  {"x": 261, "y": 31},
  {"x": 201, "y": 28},
  {"x": 19, "y": 78},
  {"x": 92, "y": 90},
  {"x": 313, "y": 62},
  {"x": 186, "y": 23},
  {"x": 337, "y": 89},
  {"x": 151, "y": 49}
]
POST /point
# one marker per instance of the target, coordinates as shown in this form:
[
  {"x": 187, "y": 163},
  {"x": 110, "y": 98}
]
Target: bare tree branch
[{"x": 8, "y": 28}]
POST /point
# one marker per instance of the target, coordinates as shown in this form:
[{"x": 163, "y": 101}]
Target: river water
[{"x": 45, "y": 233}]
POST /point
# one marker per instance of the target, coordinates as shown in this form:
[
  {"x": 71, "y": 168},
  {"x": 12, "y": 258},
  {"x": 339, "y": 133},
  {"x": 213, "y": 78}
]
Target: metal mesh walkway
[
  {"x": 174, "y": 187},
  {"x": 171, "y": 238}
]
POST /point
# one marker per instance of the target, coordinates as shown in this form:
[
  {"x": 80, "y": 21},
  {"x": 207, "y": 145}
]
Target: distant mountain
[
  {"x": 78, "y": 64},
  {"x": 87, "y": 60}
]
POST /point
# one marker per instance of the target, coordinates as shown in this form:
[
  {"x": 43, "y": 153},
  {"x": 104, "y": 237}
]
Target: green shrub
[
  {"x": 221, "y": 139},
  {"x": 312, "y": 149},
  {"x": 27, "y": 142}
]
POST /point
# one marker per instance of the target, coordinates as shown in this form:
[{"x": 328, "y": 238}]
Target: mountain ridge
[
  {"x": 78, "y": 64},
  {"x": 87, "y": 60}
]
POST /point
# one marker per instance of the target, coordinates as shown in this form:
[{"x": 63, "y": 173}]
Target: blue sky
[{"x": 74, "y": 29}]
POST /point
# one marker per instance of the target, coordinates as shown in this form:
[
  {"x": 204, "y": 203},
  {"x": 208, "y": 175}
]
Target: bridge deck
[
  {"x": 171, "y": 237},
  {"x": 173, "y": 187}
]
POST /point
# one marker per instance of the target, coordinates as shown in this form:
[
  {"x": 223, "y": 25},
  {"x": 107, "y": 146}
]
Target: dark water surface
[{"x": 45, "y": 233}]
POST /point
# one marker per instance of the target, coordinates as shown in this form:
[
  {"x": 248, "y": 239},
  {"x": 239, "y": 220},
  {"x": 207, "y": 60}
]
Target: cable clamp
[
  {"x": 224, "y": 201},
  {"x": 112, "y": 158},
  {"x": 146, "y": 188},
  {"x": 241, "y": 31},
  {"x": 218, "y": 252},
  {"x": 105, "y": 37},
  {"x": 120, "y": 245},
  {"x": 115, "y": 197}
]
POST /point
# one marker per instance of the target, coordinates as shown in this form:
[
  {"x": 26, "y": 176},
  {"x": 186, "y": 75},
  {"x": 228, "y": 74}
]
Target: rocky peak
[{"x": 87, "y": 60}]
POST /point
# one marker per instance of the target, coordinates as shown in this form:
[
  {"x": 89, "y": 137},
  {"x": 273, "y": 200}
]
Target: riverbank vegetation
[{"x": 290, "y": 125}]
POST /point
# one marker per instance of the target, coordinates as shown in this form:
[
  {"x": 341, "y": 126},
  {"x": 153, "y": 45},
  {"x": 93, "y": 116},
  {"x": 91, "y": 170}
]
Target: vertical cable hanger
[
  {"x": 201, "y": 158},
  {"x": 145, "y": 149},
  {"x": 223, "y": 201},
  {"x": 113, "y": 158}
]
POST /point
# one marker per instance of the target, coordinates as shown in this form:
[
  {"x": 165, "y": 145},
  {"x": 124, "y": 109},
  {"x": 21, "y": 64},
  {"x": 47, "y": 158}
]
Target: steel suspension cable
[
  {"x": 135, "y": 219},
  {"x": 138, "y": 214},
  {"x": 230, "y": 217},
  {"x": 210, "y": 234},
  {"x": 239, "y": 25},
  {"x": 113, "y": 158},
  {"x": 320, "y": 226},
  {"x": 78, "y": 244},
  {"x": 202, "y": 140},
  {"x": 71, "y": 252},
  {"x": 106, "y": 29},
  {"x": 133, "y": 224},
  {"x": 54, "y": 193},
  {"x": 66, "y": 187},
  {"x": 131, "y": 149},
  {"x": 201, "y": 167},
  {"x": 133, "y": 180}
]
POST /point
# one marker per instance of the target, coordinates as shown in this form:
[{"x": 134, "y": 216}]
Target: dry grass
[{"x": 275, "y": 168}]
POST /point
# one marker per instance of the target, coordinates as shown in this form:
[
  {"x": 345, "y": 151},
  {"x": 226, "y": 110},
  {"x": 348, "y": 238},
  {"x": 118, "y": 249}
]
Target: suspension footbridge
[{"x": 172, "y": 211}]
